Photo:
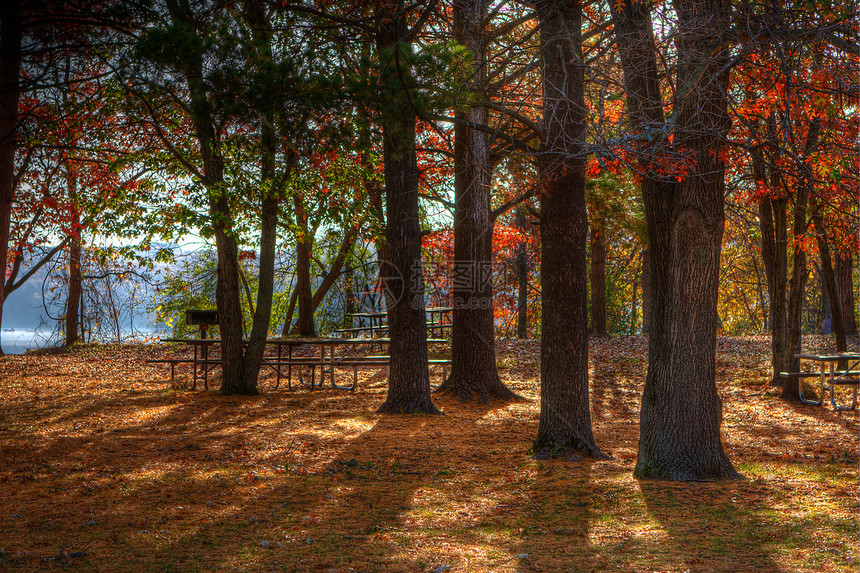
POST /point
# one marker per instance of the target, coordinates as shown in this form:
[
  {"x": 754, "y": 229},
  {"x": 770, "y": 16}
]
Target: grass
[{"x": 104, "y": 468}]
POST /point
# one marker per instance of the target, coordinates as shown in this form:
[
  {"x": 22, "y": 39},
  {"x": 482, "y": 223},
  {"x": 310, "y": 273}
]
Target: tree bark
[
  {"x": 522, "y": 282},
  {"x": 402, "y": 273},
  {"x": 646, "y": 289},
  {"x": 473, "y": 353},
  {"x": 832, "y": 304},
  {"x": 774, "y": 232},
  {"x": 681, "y": 409},
  {"x": 565, "y": 417},
  {"x": 240, "y": 366},
  {"x": 845, "y": 284},
  {"x": 255, "y": 16},
  {"x": 598, "y": 281},
  {"x": 304, "y": 243},
  {"x": 10, "y": 91},
  {"x": 73, "y": 299},
  {"x": 797, "y": 284}
]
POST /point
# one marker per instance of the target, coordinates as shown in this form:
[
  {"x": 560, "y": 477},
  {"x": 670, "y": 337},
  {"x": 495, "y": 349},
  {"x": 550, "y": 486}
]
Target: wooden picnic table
[
  {"x": 829, "y": 378},
  {"x": 372, "y": 318},
  {"x": 436, "y": 322},
  {"x": 328, "y": 357}
]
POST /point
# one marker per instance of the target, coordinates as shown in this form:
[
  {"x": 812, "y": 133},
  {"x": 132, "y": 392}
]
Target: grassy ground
[{"x": 104, "y": 468}]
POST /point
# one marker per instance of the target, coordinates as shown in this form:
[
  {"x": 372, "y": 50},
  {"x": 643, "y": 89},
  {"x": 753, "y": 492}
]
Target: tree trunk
[
  {"x": 522, "y": 282},
  {"x": 73, "y": 299},
  {"x": 774, "y": 252},
  {"x": 305, "y": 324},
  {"x": 402, "y": 275},
  {"x": 681, "y": 410},
  {"x": 349, "y": 295},
  {"x": 565, "y": 418},
  {"x": 825, "y": 325},
  {"x": 473, "y": 353},
  {"x": 598, "y": 281},
  {"x": 797, "y": 285},
  {"x": 10, "y": 91},
  {"x": 830, "y": 293},
  {"x": 646, "y": 289},
  {"x": 291, "y": 308},
  {"x": 845, "y": 284},
  {"x": 255, "y": 15}
]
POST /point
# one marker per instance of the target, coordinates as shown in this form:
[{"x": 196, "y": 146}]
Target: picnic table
[
  {"x": 375, "y": 322},
  {"x": 438, "y": 321},
  {"x": 829, "y": 377},
  {"x": 329, "y": 354}
]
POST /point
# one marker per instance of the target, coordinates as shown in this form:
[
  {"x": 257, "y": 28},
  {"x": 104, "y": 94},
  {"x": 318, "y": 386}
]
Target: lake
[{"x": 19, "y": 341}]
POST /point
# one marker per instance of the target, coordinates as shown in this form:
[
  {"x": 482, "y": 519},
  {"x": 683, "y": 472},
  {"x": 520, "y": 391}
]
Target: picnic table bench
[
  {"x": 829, "y": 377},
  {"x": 202, "y": 361}
]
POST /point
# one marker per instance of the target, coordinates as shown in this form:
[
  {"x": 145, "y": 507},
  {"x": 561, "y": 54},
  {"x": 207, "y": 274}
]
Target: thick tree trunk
[
  {"x": 565, "y": 417},
  {"x": 473, "y": 353},
  {"x": 598, "y": 282},
  {"x": 409, "y": 376},
  {"x": 10, "y": 91},
  {"x": 681, "y": 410},
  {"x": 845, "y": 284}
]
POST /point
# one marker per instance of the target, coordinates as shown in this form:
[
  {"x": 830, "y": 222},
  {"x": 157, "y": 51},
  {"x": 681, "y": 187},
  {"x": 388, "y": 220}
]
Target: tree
[
  {"x": 681, "y": 410},
  {"x": 473, "y": 356},
  {"x": 225, "y": 67},
  {"x": 11, "y": 20},
  {"x": 565, "y": 418},
  {"x": 402, "y": 273}
]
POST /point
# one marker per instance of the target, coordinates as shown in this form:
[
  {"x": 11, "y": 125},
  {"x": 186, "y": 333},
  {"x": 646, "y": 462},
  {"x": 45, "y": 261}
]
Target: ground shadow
[{"x": 712, "y": 526}]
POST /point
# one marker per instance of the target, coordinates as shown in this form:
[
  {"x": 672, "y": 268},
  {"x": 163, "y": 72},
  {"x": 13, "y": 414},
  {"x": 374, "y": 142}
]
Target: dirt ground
[{"x": 104, "y": 467}]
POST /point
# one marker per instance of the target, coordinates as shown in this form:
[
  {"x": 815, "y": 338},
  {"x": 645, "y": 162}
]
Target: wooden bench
[
  {"x": 354, "y": 362},
  {"x": 172, "y": 362}
]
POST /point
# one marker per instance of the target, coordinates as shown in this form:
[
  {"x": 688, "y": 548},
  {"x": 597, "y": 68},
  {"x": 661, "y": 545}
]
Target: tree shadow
[{"x": 712, "y": 526}]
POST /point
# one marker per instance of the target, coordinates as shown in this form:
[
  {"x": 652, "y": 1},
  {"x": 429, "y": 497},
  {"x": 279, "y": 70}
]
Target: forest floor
[{"x": 104, "y": 467}]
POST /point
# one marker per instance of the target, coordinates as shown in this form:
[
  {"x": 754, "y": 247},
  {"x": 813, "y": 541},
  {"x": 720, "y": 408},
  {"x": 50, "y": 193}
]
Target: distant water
[{"x": 19, "y": 341}]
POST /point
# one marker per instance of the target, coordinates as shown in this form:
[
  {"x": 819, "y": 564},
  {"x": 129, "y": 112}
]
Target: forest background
[{"x": 104, "y": 182}]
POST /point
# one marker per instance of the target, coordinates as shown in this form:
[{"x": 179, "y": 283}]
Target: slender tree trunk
[
  {"x": 288, "y": 321},
  {"x": 598, "y": 281},
  {"x": 10, "y": 90},
  {"x": 305, "y": 324},
  {"x": 634, "y": 311},
  {"x": 73, "y": 299},
  {"x": 773, "y": 227},
  {"x": 565, "y": 417},
  {"x": 681, "y": 410},
  {"x": 255, "y": 15},
  {"x": 473, "y": 353},
  {"x": 402, "y": 275},
  {"x": 646, "y": 289},
  {"x": 522, "y": 282},
  {"x": 349, "y": 295},
  {"x": 797, "y": 284},
  {"x": 845, "y": 284},
  {"x": 833, "y": 304}
]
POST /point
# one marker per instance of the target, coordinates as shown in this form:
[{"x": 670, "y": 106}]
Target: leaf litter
[{"x": 104, "y": 467}]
